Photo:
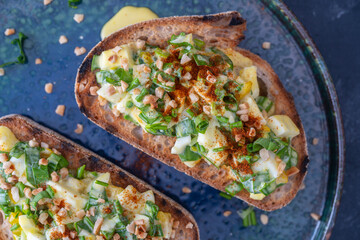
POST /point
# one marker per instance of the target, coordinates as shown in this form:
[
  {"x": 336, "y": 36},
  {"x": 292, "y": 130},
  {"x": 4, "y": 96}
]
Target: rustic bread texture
[
  {"x": 26, "y": 129},
  {"x": 223, "y": 30}
]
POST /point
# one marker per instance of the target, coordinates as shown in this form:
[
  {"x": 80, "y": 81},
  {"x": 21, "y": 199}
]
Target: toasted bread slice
[
  {"x": 223, "y": 30},
  {"x": 26, "y": 129}
]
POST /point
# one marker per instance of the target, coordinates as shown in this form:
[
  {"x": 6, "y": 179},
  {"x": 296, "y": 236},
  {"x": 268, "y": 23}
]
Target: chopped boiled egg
[
  {"x": 166, "y": 223},
  {"x": 283, "y": 126},
  {"x": 108, "y": 92},
  {"x": 180, "y": 145},
  {"x": 257, "y": 196},
  {"x": 7, "y": 139},
  {"x": 30, "y": 229},
  {"x": 270, "y": 164},
  {"x": 133, "y": 201},
  {"x": 20, "y": 166},
  {"x": 254, "y": 110},
  {"x": 212, "y": 138},
  {"x": 111, "y": 59},
  {"x": 237, "y": 58},
  {"x": 248, "y": 74},
  {"x": 113, "y": 191}
]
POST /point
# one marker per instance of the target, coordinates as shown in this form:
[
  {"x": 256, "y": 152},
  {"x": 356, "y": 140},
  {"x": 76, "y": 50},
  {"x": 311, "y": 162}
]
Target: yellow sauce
[{"x": 126, "y": 16}]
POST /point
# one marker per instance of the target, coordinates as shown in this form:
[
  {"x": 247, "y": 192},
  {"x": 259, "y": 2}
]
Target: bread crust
[
  {"x": 228, "y": 29},
  {"x": 26, "y": 129}
]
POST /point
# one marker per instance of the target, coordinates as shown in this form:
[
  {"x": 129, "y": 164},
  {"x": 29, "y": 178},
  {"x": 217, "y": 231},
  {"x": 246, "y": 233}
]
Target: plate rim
[{"x": 332, "y": 109}]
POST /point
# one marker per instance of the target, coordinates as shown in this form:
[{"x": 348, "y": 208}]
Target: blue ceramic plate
[{"x": 293, "y": 56}]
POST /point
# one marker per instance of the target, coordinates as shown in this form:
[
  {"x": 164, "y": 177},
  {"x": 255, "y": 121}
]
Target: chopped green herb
[
  {"x": 22, "y": 58},
  {"x": 74, "y": 3},
  {"x": 81, "y": 172},
  {"x": 101, "y": 183},
  {"x": 202, "y": 60}
]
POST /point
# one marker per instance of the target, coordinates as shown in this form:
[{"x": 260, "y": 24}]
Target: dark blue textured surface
[
  {"x": 21, "y": 91},
  {"x": 335, "y": 27}
]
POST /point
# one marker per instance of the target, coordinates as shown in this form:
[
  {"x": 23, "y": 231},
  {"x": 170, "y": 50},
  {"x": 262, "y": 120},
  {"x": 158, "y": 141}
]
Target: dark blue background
[{"x": 334, "y": 25}]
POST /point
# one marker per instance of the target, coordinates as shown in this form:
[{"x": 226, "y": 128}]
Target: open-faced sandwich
[
  {"x": 51, "y": 188},
  {"x": 179, "y": 89}
]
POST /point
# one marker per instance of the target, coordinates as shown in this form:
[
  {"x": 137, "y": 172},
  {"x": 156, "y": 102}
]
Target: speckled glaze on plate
[{"x": 293, "y": 56}]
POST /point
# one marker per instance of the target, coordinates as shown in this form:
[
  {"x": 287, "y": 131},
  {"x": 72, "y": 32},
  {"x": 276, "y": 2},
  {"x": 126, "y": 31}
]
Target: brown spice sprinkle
[
  {"x": 48, "y": 88},
  {"x": 186, "y": 190},
  {"x": 60, "y": 110}
]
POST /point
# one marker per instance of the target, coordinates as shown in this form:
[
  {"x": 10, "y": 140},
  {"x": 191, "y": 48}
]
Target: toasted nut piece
[
  {"x": 244, "y": 106},
  {"x": 79, "y": 128},
  {"x": 62, "y": 229},
  {"x": 43, "y": 218},
  {"x": 244, "y": 118},
  {"x": 116, "y": 236},
  {"x": 79, "y": 51},
  {"x": 159, "y": 64},
  {"x": 48, "y": 88},
  {"x": 146, "y": 69},
  {"x": 62, "y": 212},
  {"x": 315, "y": 141},
  {"x": 60, "y": 110},
  {"x": 173, "y": 104},
  {"x": 33, "y": 143},
  {"x": 185, "y": 59},
  {"x": 140, "y": 43},
  {"x": 124, "y": 86},
  {"x": 100, "y": 200},
  {"x": 38, "y": 61},
  {"x": 168, "y": 71},
  {"x": 4, "y": 157},
  {"x": 5, "y": 186},
  {"x": 187, "y": 76},
  {"x": 47, "y": 2},
  {"x": 124, "y": 62},
  {"x": 266, "y": 45},
  {"x": 43, "y": 162},
  {"x": 97, "y": 225},
  {"x": 264, "y": 219},
  {"x": 292, "y": 171},
  {"x": 189, "y": 225},
  {"x": 57, "y": 201},
  {"x": 150, "y": 99},
  {"x": 193, "y": 97},
  {"x": 136, "y": 91},
  {"x": 113, "y": 58},
  {"x": 63, "y": 39},
  {"x": 27, "y": 192},
  {"x": 13, "y": 179},
  {"x": 227, "y": 213},
  {"x": 252, "y": 132},
  {"x": 93, "y": 90},
  {"x": 44, "y": 145},
  {"x": 170, "y": 84},
  {"x": 186, "y": 190},
  {"x": 2, "y": 72},
  {"x": 64, "y": 172},
  {"x": 73, "y": 234},
  {"x": 116, "y": 49},
  {"x": 78, "y": 17},
  {"x": 92, "y": 211},
  {"x": 80, "y": 214},
  {"x": 37, "y": 191},
  {"x": 159, "y": 92},
  {"x": 207, "y": 109},
  {"x": 9, "y": 31},
  {"x": 242, "y": 112},
  {"x": 315, "y": 216}
]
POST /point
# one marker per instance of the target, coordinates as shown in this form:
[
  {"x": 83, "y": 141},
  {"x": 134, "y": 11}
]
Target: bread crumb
[
  {"x": 9, "y": 31},
  {"x": 315, "y": 216},
  {"x": 2, "y": 72},
  {"x": 60, "y": 110},
  {"x": 189, "y": 225},
  {"x": 264, "y": 219},
  {"x": 79, "y": 128},
  {"x": 79, "y": 51},
  {"x": 315, "y": 141},
  {"x": 78, "y": 17},
  {"x": 47, "y": 2},
  {"x": 48, "y": 88},
  {"x": 38, "y": 61},
  {"x": 266, "y": 45},
  {"x": 63, "y": 39},
  {"x": 186, "y": 190},
  {"x": 227, "y": 213}
]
